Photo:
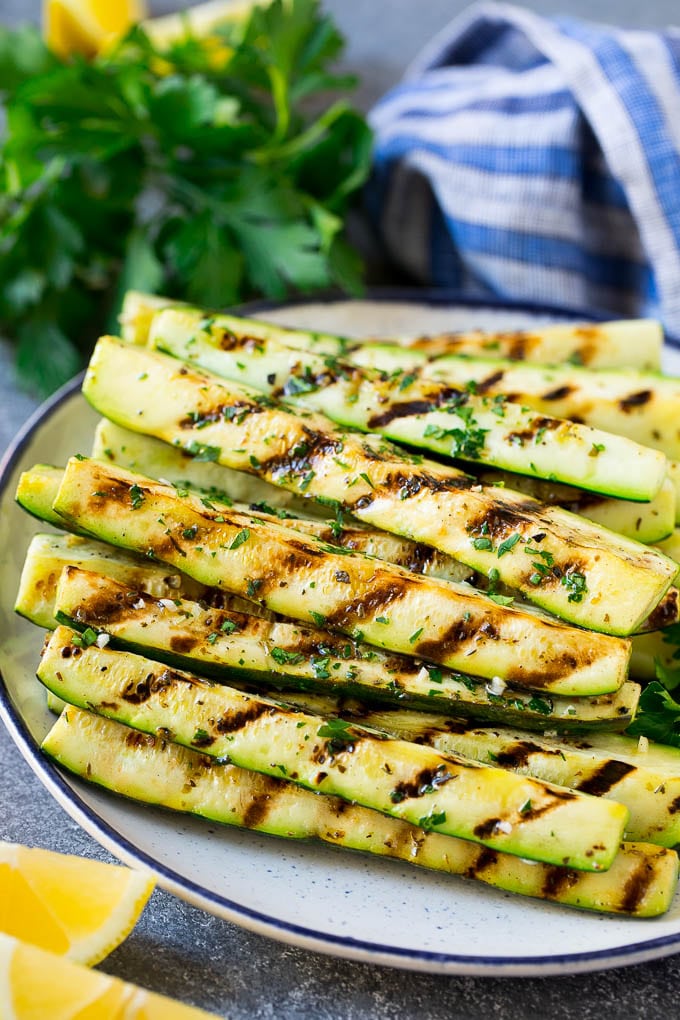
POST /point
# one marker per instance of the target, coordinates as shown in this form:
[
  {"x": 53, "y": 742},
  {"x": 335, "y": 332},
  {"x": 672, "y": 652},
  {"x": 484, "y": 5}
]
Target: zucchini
[
  {"x": 671, "y": 546},
  {"x": 640, "y": 882},
  {"x": 652, "y": 651},
  {"x": 611, "y": 765},
  {"x": 648, "y": 523},
  {"x": 335, "y": 588},
  {"x": 38, "y": 487},
  {"x": 567, "y": 565},
  {"x": 156, "y": 459},
  {"x": 639, "y": 405},
  {"x": 621, "y": 343},
  {"x": 644, "y": 522},
  {"x": 625, "y": 343},
  {"x": 454, "y": 423},
  {"x": 443, "y": 792},
  {"x": 229, "y": 645}
]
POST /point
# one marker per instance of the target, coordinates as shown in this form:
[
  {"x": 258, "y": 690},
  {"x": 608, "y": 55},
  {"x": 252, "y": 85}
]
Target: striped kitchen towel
[{"x": 537, "y": 160}]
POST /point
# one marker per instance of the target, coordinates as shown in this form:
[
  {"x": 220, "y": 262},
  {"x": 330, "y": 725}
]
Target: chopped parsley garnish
[
  {"x": 483, "y": 544},
  {"x": 240, "y": 538},
  {"x": 507, "y": 544},
  {"x": 228, "y": 627},
  {"x": 285, "y": 658},
  {"x": 414, "y": 637},
  {"x": 85, "y": 639},
  {"x": 318, "y": 618},
  {"x": 203, "y": 452},
  {"x": 575, "y": 583},
  {"x": 137, "y": 497}
]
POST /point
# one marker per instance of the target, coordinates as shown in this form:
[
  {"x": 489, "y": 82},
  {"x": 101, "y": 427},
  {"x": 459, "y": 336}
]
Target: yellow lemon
[
  {"x": 72, "y": 906},
  {"x": 84, "y": 26},
  {"x": 66, "y": 991}
]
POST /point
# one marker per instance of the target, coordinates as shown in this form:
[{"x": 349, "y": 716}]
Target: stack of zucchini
[{"x": 376, "y": 594}]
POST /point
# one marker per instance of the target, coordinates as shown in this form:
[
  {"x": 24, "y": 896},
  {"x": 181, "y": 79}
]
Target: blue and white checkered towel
[{"x": 538, "y": 160}]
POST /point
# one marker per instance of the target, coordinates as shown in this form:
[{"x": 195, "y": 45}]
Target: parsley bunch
[{"x": 203, "y": 172}]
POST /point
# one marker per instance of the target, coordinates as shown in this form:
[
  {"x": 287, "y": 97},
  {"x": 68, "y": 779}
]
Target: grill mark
[
  {"x": 558, "y": 667},
  {"x": 637, "y": 885},
  {"x": 559, "y": 393},
  {"x": 491, "y": 381},
  {"x": 238, "y": 720},
  {"x": 424, "y": 782},
  {"x": 437, "y": 397},
  {"x": 239, "y": 409},
  {"x": 456, "y": 634},
  {"x": 408, "y": 485},
  {"x": 109, "y": 607},
  {"x": 183, "y": 643},
  {"x": 666, "y": 612},
  {"x": 231, "y": 342},
  {"x": 136, "y": 739},
  {"x": 605, "y": 778},
  {"x": 557, "y": 880},
  {"x": 530, "y": 434},
  {"x": 633, "y": 400},
  {"x": 137, "y": 692},
  {"x": 485, "y": 859},
  {"x": 503, "y": 521},
  {"x": 379, "y": 595},
  {"x": 674, "y": 807},
  {"x": 517, "y": 756},
  {"x": 486, "y": 829},
  {"x": 316, "y": 446}
]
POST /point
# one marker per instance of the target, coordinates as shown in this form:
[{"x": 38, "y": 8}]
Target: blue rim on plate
[{"x": 111, "y": 838}]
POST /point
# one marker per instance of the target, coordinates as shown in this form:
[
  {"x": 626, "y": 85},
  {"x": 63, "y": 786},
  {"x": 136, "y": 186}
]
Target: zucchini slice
[
  {"x": 641, "y": 881},
  {"x": 648, "y": 523},
  {"x": 48, "y": 555},
  {"x": 611, "y": 765},
  {"x": 640, "y": 405},
  {"x": 567, "y": 565},
  {"x": 454, "y": 423},
  {"x": 451, "y": 795},
  {"x": 334, "y": 588},
  {"x": 623, "y": 343},
  {"x": 231, "y": 646}
]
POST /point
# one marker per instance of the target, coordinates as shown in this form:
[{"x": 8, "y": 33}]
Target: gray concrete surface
[{"x": 181, "y": 951}]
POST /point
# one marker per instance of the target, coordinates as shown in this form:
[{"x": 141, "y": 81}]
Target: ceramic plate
[{"x": 315, "y": 897}]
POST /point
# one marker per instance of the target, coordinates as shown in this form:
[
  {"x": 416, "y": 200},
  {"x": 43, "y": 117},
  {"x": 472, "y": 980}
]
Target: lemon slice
[
  {"x": 72, "y": 906},
  {"x": 66, "y": 991},
  {"x": 84, "y": 26}
]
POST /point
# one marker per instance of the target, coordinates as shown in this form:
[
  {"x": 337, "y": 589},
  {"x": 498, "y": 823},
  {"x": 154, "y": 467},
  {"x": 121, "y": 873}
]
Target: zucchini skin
[
  {"x": 623, "y": 343},
  {"x": 451, "y": 422},
  {"x": 598, "y": 580},
  {"x": 227, "y": 645},
  {"x": 451, "y": 795},
  {"x": 344, "y": 591},
  {"x": 640, "y": 882}
]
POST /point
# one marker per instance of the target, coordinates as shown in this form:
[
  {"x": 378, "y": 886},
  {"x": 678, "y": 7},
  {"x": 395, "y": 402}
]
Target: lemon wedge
[
  {"x": 85, "y": 26},
  {"x": 72, "y": 906},
  {"x": 67, "y": 991}
]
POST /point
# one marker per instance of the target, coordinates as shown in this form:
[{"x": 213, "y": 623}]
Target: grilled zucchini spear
[
  {"x": 448, "y": 794},
  {"x": 332, "y": 587},
  {"x": 453, "y": 422},
  {"x": 561, "y": 562},
  {"x": 640, "y": 882},
  {"x": 48, "y": 555},
  {"x": 642, "y": 406},
  {"x": 229, "y": 645},
  {"x": 626, "y": 343}
]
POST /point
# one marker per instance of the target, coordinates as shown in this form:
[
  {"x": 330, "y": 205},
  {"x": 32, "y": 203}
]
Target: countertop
[{"x": 181, "y": 951}]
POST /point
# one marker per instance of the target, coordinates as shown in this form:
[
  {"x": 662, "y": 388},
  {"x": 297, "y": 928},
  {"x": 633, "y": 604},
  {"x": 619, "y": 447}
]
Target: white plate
[{"x": 311, "y": 896}]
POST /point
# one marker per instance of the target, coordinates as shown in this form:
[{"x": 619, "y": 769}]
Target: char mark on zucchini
[{"x": 605, "y": 778}]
